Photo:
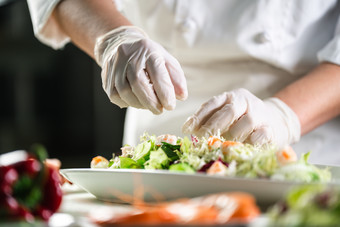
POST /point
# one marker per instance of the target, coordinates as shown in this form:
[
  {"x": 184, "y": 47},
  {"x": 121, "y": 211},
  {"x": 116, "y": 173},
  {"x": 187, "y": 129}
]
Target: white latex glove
[
  {"x": 139, "y": 72},
  {"x": 241, "y": 116}
]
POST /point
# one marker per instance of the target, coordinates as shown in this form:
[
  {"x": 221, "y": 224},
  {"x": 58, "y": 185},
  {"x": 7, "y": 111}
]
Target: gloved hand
[
  {"x": 241, "y": 116},
  {"x": 139, "y": 72}
]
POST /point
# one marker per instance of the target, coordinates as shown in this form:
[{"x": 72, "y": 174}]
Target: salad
[
  {"x": 214, "y": 156},
  {"x": 307, "y": 205}
]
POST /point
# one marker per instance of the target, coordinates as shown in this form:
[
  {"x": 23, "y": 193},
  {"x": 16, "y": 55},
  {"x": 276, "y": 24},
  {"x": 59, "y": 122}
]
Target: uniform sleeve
[
  {"x": 331, "y": 52},
  {"x": 46, "y": 29}
]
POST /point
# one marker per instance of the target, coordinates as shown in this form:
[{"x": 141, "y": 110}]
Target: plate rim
[{"x": 197, "y": 174}]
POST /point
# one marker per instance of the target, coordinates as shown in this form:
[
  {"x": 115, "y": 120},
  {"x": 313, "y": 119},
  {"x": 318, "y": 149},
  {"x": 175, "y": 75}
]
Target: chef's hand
[
  {"x": 241, "y": 116},
  {"x": 139, "y": 72}
]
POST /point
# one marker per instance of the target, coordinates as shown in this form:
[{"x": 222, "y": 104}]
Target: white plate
[{"x": 125, "y": 185}]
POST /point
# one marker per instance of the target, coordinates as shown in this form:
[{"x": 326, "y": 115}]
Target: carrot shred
[
  {"x": 230, "y": 143},
  {"x": 285, "y": 155}
]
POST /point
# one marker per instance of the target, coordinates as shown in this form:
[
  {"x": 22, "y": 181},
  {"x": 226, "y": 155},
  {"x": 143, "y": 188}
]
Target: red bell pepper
[{"x": 29, "y": 189}]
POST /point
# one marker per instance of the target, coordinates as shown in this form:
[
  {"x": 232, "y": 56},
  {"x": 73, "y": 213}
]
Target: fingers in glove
[
  {"x": 225, "y": 118},
  {"x": 177, "y": 77},
  {"x": 143, "y": 89},
  {"x": 261, "y": 136},
  {"x": 194, "y": 123},
  {"x": 109, "y": 86},
  {"x": 159, "y": 75},
  {"x": 115, "y": 98},
  {"x": 122, "y": 84},
  {"x": 243, "y": 127}
]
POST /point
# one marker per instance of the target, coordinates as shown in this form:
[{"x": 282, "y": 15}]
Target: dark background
[{"x": 52, "y": 97}]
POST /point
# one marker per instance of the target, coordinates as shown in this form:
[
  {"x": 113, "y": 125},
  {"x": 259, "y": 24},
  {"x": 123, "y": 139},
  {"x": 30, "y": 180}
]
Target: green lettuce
[
  {"x": 181, "y": 167},
  {"x": 158, "y": 160},
  {"x": 142, "y": 152},
  {"x": 128, "y": 163},
  {"x": 302, "y": 171},
  {"x": 172, "y": 151}
]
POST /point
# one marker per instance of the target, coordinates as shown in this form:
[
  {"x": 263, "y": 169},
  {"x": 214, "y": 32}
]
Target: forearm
[
  {"x": 315, "y": 98},
  {"x": 85, "y": 20}
]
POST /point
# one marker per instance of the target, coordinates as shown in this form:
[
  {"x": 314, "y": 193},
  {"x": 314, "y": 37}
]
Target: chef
[{"x": 255, "y": 71}]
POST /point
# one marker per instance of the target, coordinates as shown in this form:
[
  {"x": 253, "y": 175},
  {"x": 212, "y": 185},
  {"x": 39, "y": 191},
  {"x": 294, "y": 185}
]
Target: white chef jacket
[{"x": 259, "y": 45}]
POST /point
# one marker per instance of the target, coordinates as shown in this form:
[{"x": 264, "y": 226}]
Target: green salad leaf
[
  {"x": 142, "y": 151},
  {"x": 170, "y": 150},
  {"x": 302, "y": 171},
  {"x": 128, "y": 163},
  {"x": 158, "y": 160},
  {"x": 181, "y": 167}
]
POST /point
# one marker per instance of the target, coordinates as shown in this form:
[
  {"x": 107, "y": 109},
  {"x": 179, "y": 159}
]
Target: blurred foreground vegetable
[
  {"x": 215, "y": 209},
  {"x": 308, "y": 205},
  {"x": 29, "y": 186}
]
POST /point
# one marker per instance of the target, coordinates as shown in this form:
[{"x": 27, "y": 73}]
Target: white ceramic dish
[{"x": 128, "y": 185}]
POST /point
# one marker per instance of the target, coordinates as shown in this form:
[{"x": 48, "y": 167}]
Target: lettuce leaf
[
  {"x": 128, "y": 163},
  {"x": 302, "y": 171},
  {"x": 142, "y": 152},
  {"x": 158, "y": 160},
  {"x": 181, "y": 167},
  {"x": 170, "y": 150}
]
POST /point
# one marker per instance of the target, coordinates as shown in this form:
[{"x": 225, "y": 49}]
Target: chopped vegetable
[
  {"x": 158, "y": 160},
  {"x": 181, "y": 167}
]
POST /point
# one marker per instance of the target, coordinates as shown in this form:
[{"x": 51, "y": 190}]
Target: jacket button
[
  {"x": 263, "y": 37},
  {"x": 187, "y": 25}
]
